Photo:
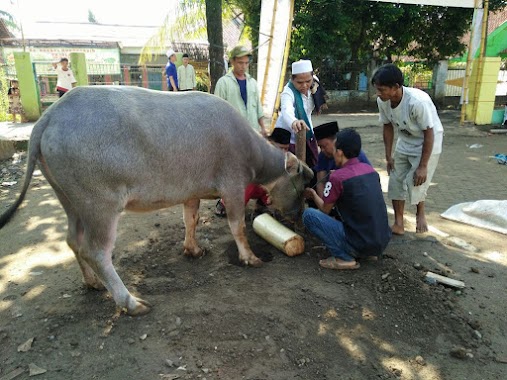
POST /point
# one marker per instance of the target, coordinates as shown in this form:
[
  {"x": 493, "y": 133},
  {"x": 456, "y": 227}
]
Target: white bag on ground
[{"x": 489, "y": 214}]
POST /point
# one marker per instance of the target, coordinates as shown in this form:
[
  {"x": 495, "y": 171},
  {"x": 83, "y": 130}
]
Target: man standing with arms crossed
[
  {"x": 420, "y": 135},
  {"x": 240, "y": 89}
]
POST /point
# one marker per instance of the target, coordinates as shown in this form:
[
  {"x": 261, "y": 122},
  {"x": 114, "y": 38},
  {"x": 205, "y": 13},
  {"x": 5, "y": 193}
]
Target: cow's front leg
[
  {"x": 191, "y": 218},
  {"x": 236, "y": 217}
]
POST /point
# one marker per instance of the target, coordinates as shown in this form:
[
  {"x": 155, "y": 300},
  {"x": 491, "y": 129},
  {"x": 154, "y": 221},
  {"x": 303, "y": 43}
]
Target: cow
[{"x": 109, "y": 149}]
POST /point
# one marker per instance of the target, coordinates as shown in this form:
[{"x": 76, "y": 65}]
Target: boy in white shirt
[
  {"x": 66, "y": 80},
  {"x": 420, "y": 134}
]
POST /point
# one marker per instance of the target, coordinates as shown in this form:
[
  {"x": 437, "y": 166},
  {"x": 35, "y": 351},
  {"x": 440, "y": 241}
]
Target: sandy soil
[{"x": 213, "y": 319}]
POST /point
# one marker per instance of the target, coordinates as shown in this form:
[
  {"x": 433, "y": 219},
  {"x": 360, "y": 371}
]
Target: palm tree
[{"x": 194, "y": 18}]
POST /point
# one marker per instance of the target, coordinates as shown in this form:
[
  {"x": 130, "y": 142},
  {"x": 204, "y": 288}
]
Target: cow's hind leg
[
  {"x": 191, "y": 219},
  {"x": 75, "y": 233},
  {"x": 96, "y": 250},
  {"x": 235, "y": 205}
]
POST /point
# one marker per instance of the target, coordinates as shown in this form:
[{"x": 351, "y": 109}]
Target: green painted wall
[
  {"x": 78, "y": 61},
  {"x": 27, "y": 85},
  {"x": 497, "y": 42}
]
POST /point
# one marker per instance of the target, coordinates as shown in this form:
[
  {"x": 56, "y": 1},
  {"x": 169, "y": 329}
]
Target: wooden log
[
  {"x": 301, "y": 155},
  {"x": 278, "y": 235},
  {"x": 301, "y": 145},
  {"x": 445, "y": 280}
]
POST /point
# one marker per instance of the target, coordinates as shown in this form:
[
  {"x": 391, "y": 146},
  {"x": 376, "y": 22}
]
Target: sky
[{"x": 145, "y": 12}]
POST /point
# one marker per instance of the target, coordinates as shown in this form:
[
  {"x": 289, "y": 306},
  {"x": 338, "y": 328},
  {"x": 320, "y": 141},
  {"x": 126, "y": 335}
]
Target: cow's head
[{"x": 286, "y": 192}]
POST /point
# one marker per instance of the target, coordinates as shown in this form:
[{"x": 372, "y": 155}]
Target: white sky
[{"x": 145, "y": 12}]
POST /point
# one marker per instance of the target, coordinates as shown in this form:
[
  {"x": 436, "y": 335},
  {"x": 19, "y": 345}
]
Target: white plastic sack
[{"x": 489, "y": 214}]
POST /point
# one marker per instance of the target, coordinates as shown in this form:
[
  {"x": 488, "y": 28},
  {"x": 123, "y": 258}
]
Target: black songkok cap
[
  {"x": 326, "y": 130},
  {"x": 280, "y": 136}
]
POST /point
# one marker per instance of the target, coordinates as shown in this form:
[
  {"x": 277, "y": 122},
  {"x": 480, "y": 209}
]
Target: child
[
  {"x": 66, "y": 80},
  {"x": 15, "y": 106}
]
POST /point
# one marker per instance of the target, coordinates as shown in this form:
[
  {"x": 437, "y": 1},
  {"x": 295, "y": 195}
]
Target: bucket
[{"x": 497, "y": 116}]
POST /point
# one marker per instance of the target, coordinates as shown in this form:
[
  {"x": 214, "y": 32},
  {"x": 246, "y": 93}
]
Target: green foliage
[
  {"x": 91, "y": 17},
  {"x": 9, "y": 20},
  {"x": 202, "y": 81},
  {"x": 359, "y": 30},
  {"x": 4, "y": 98},
  {"x": 251, "y": 12},
  {"x": 317, "y": 31},
  {"x": 416, "y": 74}
]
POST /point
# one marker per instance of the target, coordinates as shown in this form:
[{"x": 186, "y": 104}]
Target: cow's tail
[{"x": 33, "y": 156}]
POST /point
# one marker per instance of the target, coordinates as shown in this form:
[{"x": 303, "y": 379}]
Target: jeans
[{"x": 330, "y": 231}]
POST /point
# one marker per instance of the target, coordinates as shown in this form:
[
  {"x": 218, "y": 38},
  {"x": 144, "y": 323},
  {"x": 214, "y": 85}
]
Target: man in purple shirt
[
  {"x": 325, "y": 134},
  {"x": 355, "y": 190}
]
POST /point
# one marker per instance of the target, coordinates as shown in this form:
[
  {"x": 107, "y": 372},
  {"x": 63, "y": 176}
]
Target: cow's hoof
[
  {"x": 194, "y": 252},
  {"x": 254, "y": 262},
  {"x": 141, "y": 307},
  {"x": 94, "y": 284}
]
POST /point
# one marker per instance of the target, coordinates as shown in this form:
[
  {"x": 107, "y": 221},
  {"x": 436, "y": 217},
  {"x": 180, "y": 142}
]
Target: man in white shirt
[
  {"x": 296, "y": 103},
  {"x": 420, "y": 135},
  {"x": 186, "y": 75},
  {"x": 66, "y": 80}
]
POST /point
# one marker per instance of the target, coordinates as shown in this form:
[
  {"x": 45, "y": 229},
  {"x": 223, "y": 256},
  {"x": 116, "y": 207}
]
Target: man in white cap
[
  {"x": 240, "y": 89},
  {"x": 170, "y": 71},
  {"x": 296, "y": 108}
]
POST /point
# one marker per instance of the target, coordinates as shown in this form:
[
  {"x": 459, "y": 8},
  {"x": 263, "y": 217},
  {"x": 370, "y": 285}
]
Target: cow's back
[{"x": 134, "y": 140}]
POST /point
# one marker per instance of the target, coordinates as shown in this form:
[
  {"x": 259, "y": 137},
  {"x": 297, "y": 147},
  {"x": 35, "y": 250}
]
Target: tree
[
  {"x": 91, "y": 17},
  {"x": 358, "y": 30},
  {"x": 215, "y": 40},
  {"x": 198, "y": 17},
  {"x": 8, "y": 20}
]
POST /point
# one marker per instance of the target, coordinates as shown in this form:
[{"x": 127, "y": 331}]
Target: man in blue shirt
[
  {"x": 325, "y": 135},
  {"x": 171, "y": 72}
]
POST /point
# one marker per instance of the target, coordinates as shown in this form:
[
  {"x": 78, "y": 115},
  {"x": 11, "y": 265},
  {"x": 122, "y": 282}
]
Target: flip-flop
[
  {"x": 333, "y": 263},
  {"x": 220, "y": 208},
  {"x": 368, "y": 258}
]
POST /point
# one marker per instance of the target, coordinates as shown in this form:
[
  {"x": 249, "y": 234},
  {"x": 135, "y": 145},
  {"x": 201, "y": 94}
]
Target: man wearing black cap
[
  {"x": 281, "y": 138},
  {"x": 325, "y": 134},
  {"x": 355, "y": 190},
  {"x": 186, "y": 75}
]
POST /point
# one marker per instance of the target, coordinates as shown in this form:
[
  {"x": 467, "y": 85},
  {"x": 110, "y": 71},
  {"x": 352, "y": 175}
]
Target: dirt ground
[{"x": 213, "y": 319}]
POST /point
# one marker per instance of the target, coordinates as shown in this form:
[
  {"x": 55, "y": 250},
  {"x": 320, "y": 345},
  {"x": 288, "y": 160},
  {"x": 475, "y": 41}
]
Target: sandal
[
  {"x": 337, "y": 264},
  {"x": 220, "y": 208}
]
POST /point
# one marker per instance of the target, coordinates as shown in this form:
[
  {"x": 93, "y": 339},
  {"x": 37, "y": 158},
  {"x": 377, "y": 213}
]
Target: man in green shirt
[{"x": 240, "y": 89}]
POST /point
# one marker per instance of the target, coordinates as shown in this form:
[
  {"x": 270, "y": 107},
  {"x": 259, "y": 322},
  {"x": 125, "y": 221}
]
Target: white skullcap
[
  {"x": 170, "y": 52},
  {"x": 302, "y": 66}
]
